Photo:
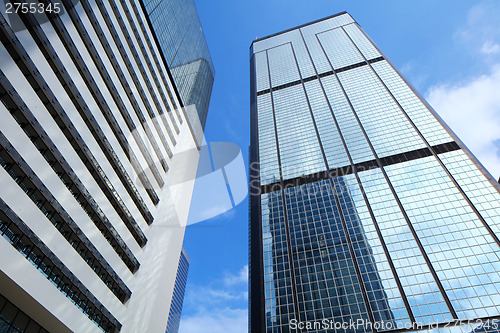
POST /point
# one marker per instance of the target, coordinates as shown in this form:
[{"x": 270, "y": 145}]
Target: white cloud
[
  {"x": 207, "y": 296},
  {"x": 490, "y": 48},
  {"x": 216, "y": 321},
  {"x": 472, "y": 109},
  {"x": 219, "y": 306},
  {"x": 241, "y": 277},
  {"x": 481, "y": 32}
]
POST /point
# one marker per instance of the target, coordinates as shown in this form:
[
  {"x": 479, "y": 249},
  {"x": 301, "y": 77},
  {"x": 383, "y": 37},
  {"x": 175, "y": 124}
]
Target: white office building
[{"x": 98, "y": 159}]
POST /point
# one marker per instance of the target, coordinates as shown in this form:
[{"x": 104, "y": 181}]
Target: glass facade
[
  {"x": 174, "y": 316},
  {"x": 12, "y": 319},
  {"x": 180, "y": 35},
  {"x": 366, "y": 212}
]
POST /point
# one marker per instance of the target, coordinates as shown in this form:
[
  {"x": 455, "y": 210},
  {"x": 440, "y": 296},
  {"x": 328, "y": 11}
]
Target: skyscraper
[
  {"x": 174, "y": 316},
  {"x": 180, "y": 35},
  {"x": 94, "y": 138},
  {"x": 367, "y": 213}
]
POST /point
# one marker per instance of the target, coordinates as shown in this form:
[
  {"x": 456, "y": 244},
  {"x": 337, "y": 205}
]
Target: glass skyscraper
[
  {"x": 174, "y": 316},
  {"x": 180, "y": 35},
  {"x": 367, "y": 213}
]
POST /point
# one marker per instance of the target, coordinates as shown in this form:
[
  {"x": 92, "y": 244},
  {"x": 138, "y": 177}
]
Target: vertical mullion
[
  {"x": 358, "y": 180},
  {"x": 285, "y": 213},
  {"x": 337, "y": 202}
]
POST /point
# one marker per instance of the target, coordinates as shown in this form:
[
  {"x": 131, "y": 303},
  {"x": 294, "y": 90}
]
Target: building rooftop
[{"x": 298, "y": 27}]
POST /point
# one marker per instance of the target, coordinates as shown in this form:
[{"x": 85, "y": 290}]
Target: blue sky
[{"x": 449, "y": 50}]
